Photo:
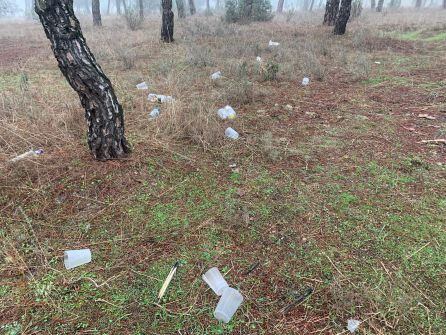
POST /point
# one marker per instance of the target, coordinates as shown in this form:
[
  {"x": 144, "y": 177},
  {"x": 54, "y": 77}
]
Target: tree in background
[
  {"x": 96, "y": 11},
  {"x": 167, "y": 21},
  {"x": 141, "y": 9},
  {"x": 181, "y": 9},
  {"x": 7, "y": 8},
  {"x": 192, "y": 7},
  {"x": 444, "y": 4},
  {"x": 118, "y": 7},
  {"x": 331, "y": 12},
  {"x": 343, "y": 16},
  {"x": 104, "y": 114},
  {"x": 379, "y": 8},
  {"x": 418, "y": 3},
  {"x": 248, "y": 10},
  {"x": 280, "y": 6},
  {"x": 357, "y": 9}
]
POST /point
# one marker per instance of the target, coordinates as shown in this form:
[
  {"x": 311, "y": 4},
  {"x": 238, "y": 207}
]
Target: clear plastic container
[
  {"x": 27, "y": 154},
  {"x": 305, "y": 81},
  {"x": 142, "y": 86},
  {"x": 230, "y": 301},
  {"x": 226, "y": 112},
  {"x": 154, "y": 113},
  {"x": 216, "y": 75},
  {"x": 231, "y": 133},
  {"x": 273, "y": 44},
  {"x": 74, "y": 258},
  {"x": 215, "y": 280}
]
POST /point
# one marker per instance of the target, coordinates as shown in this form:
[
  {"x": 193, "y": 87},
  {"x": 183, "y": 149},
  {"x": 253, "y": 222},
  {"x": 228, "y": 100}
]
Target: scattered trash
[
  {"x": 289, "y": 108},
  {"x": 252, "y": 268},
  {"x": 233, "y": 165},
  {"x": 75, "y": 258},
  {"x": 231, "y": 133},
  {"x": 426, "y": 116},
  {"x": 273, "y": 44},
  {"x": 142, "y": 86},
  {"x": 305, "y": 81},
  {"x": 259, "y": 59},
  {"x": 216, "y": 75},
  {"x": 159, "y": 98},
  {"x": 352, "y": 325},
  {"x": 215, "y": 280},
  {"x": 168, "y": 280},
  {"x": 298, "y": 299},
  {"x": 230, "y": 301},
  {"x": 377, "y": 62},
  {"x": 27, "y": 154},
  {"x": 226, "y": 112},
  {"x": 436, "y": 141},
  {"x": 154, "y": 113}
]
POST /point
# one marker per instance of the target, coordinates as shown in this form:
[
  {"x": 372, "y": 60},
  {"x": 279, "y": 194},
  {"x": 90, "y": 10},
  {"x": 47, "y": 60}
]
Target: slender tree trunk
[
  {"x": 108, "y": 7},
  {"x": 331, "y": 12},
  {"x": 167, "y": 21},
  {"x": 141, "y": 9},
  {"x": 192, "y": 7},
  {"x": 96, "y": 10},
  {"x": 379, "y": 8},
  {"x": 418, "y": 4},
  {"x": 217, "y": 4},
  {"x": 372, "y": 4},
  {"x": 118, "y": 7},
  {"x": 181, "y": 9},
  {"x": 104, "y": 114},
  {"x": 208, "y": 7},
  {"x": 444, "y": 4},
  {"x": 125, "y": 7},
  {"x": 343, "y": 16},
  {"x": 311, "y": 5},
  {"x": 248, "y": 9},
  {"x": 280, "y": 6}
]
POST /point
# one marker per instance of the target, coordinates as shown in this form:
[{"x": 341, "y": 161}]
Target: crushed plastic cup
[
  {"x": 352, "y": 325},
  {"x": 230, "y": 301},
  {"x": 259, "y": 59},
  {"x": 231, "y": 133},
  {"x": 27, "y": 154},
  {"x": 216, "y": 75},
  {"x": 273, "y": 44},
  {"x": 159, "y": 98},
  {"x": 75, "y": 258},
  {"x": 154, "y": 113},
  {"x": 142, "y": 86},
  {"x": 215, "y": 280},
  {"x": 305, "y": 81},
  {"x": 226, "y": 112}
]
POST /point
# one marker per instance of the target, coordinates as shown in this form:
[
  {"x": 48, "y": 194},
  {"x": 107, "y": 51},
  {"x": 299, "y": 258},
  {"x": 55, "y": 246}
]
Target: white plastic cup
[
  {"x": 231, "y": 133},
  {"x": 273, "y": 44},
  {"x": 154, "y": 113},
  {"x": 352, "y": 325},
  {"x": 216, "y": 75},
  {"x": 259, "y": 59},
  {"x": 226, "y": 113},
  {"x": 215, "y": 280},
  {"x": 74, "y": 258},
  {"x": 230, "y": 301},
  {"x": 305, "y": 81},
  {"x": 142, "y": 86}
]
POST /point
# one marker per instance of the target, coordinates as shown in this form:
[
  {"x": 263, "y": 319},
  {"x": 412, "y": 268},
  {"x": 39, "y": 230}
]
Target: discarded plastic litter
[
  {"x": 168, "y": 280},
  {"x": 230, "y": 301},
  {"x": 74, "y": 258},
  {"x": 216, "y": 75},
  {"x": 231, "y": 133},
  {"x": 226, "y": 112},
  {"x": 142, "y": 86},
  {"x": 305, "y": 81},
  {"x": 259, "y": 59},
  {"x": 27, "y": 154},
  {"x": 377, "y": 62},
  {"x": 159, "y": 98},
  {"x": 154, "y": 113},
  {"x": 352, "y": 325},
  {"x": 215, "y": 280},
  {"x": 273, "y": 44}
]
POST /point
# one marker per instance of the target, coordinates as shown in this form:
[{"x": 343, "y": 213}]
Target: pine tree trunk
[
  {"x": 141, "y": 9},
  {"x": 192, "y": 7},
  {"x": 331, "y": 12},
  {"x": 118, "y": 7},
  {"x": 208, "y": 7},
  {"x": 248, "y": 9},
  {"x": 444, "y": 4},
  {"x": 167, "y": 21},
  {"x": 181, "y": 9},
  {"x": 280, "y": 6},
  {"x": 418, "y": 4},
  {"x": 96, "y": 10},
  {"x": 104, "y": 114},
  {"x": 379, "y": 8},
  {"x": 311, "y": 5},
  {"x": 108, "y": 7},
  {"x": 372, "y": 4},
  {"x": 125, "y": 7},
  {"x": 343, "y": 16}
]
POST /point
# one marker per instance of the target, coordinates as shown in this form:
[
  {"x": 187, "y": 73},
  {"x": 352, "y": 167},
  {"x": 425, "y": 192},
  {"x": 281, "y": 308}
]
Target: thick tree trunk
[
  {"x": 104, "y": 114},
  {"x": 331, "y": 12},
  {"x": 181, "y": 9},
  {"x": 167, "y": 21},
  {"x": 418, "y": 4},
  {"x": 192, "y": 7},
  {"x": 372, "y": 4},
  {"x": 280, "y": 6},
  {"x": 379, "y": 8},
  {"x": 96, "y": 10},
  {"x": 343, "y": 16},
  {"x": 141, "y": 9},
  {"x": 118, "y": 7}
]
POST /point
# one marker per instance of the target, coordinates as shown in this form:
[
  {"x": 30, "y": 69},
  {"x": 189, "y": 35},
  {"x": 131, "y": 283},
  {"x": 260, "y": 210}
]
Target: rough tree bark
[
  {"x": 167, "y": 21},
  {"x": 280, "y": 6},
  {"x": 331, "y": 12},
  {"x": 96, "y": 11},
  {"x": 104, "y": 114},
  {"x": 372, "y": 4},
  {"x": 343, "y": 16},
  {"x": 141, "y": 9},
  {"x": 192, "y": 7},
  {"x": 181, "y": 9},
  {"x": 379, "y": 8}
]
